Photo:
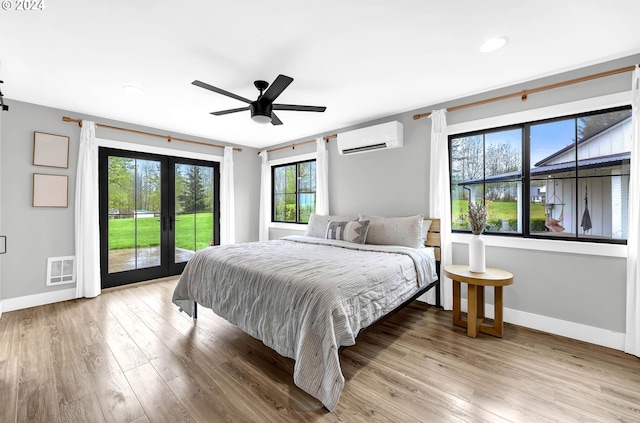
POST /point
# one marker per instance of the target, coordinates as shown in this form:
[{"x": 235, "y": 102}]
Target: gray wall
[
  {"x": 34, "y": 234},
  {"x": 577, "y": 288}
]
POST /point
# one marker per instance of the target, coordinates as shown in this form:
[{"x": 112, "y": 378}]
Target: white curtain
[
  {"x": 439, "y": 200},
  {"x": 87, "y": 226},
  {"x": 227, "y": 207},
  {"x": 265, "y": 197},
  {"x": 632, "y": 339},
  {"x": 322, "y": 178}
]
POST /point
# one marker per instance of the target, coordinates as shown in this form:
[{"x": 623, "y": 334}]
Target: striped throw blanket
[{"x": 305, "y": 297}]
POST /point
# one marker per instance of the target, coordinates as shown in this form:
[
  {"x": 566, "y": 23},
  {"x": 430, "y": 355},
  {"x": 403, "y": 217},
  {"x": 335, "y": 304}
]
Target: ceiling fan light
[
  {"x": 260, "y": 113},
  {"x": 261, "y": 119}
]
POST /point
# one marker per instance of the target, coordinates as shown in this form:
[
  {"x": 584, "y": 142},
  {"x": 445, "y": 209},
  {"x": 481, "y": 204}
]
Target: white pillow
[
  {"x": 352, "y": 231},
  {"x": 405, "y": 231},
  {"x": 317, "y": 226}
]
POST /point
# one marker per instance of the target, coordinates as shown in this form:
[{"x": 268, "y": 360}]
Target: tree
[
  {"x": 121, "y": 184},
  {"x": 589, "y": 125},
  {"x": 147, "y": 185},
  {"x": 193, "y": 195},
  {"x": 467, "y": 158}
]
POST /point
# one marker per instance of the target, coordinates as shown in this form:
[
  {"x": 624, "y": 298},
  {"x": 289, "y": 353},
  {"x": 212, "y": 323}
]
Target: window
[
  {"x": 294, "y": 191},
  {"x": 565, "y": 178}
]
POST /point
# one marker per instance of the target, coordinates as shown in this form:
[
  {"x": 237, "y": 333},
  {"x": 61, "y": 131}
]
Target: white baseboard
[
  {"x": 19, "y": 303},
  {"x": 591, "y": 334}
]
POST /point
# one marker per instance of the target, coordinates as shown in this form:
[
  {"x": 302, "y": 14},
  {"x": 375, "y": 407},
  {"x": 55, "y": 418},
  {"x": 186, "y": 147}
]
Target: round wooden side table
[{"x": 497, "y": 278}]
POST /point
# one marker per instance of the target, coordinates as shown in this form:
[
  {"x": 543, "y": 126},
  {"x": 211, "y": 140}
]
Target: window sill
[
  {"x": 284, "y": 225},
  {"x": 570, "y": 247}
]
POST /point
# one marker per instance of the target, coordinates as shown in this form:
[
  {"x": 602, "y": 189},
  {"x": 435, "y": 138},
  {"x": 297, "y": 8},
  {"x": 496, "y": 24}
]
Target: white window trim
[
  {"x": 278, "y": 162},
  {"x": 558, "y": 110},
  {"x": 549, "y": 112},
  {"x": 552, "y": 245}
]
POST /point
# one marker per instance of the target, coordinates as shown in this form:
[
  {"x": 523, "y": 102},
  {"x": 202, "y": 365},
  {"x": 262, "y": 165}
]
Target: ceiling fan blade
[
  {"x": 275, "y": 89},
  {"x": 219, "y": 90},
  {"x": 299, "y": 108},
  {"x": 226, "y": 112},
  {"x": 275, "y": 120}
]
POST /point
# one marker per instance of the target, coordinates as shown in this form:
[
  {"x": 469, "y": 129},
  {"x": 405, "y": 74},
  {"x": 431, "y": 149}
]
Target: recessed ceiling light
[
  {"x": 132, "y": 89},
  {"x": 493, "y": 44}
]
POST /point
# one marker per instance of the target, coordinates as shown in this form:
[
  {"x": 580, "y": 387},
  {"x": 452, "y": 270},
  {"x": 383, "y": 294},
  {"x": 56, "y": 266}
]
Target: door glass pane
[
  {"x": 147, "y": 214},
  {"x": 193, "y": 209},
  {"x": 133, "y": 214}
]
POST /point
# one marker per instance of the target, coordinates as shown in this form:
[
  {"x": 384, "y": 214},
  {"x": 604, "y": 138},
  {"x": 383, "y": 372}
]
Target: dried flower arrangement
[{"x": 477, "y": 218}]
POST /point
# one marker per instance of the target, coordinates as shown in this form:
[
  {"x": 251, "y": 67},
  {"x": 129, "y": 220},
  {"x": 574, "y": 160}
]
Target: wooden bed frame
[{"x": 432, "y": 240}]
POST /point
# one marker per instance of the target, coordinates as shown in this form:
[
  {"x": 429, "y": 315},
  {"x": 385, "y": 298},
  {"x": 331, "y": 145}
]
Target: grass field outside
[
  {"x": 497, "y": 211},
  {"x": 193, "y": 231}
]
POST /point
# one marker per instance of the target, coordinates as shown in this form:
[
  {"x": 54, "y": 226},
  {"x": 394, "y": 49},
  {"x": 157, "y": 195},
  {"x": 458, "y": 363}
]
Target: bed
[{"x": 308, "y": 296}]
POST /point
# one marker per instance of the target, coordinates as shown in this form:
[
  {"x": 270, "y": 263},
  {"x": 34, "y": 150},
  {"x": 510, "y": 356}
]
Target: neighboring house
[
  {"x": 538, "y": 194},
  {"x": 603, "y": 171}
]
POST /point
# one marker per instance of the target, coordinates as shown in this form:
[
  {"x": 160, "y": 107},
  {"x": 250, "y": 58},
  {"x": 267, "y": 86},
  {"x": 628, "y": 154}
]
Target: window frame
[
  {"x": 525, "y": 127},
  {"x": 296, "y": 163}
]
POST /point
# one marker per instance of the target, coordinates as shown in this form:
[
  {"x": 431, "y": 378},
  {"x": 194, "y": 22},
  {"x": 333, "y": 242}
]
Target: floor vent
[{"x": 61, "y": 270}]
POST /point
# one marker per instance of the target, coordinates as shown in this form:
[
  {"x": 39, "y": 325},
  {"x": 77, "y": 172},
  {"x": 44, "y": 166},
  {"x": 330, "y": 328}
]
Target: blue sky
[
  {"x": 546, "y": 138},
  {"x": 550, "y": 137}
]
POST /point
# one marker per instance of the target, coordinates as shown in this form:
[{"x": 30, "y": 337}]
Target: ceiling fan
[{"x": 262, "y": 108}]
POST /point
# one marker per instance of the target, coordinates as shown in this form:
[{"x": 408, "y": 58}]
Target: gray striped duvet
[{"x": 304, "y": 297}]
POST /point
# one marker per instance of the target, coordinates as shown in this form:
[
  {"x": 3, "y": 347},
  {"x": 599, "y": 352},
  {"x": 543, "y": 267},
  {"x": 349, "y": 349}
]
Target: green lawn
[
  {"x": 122, "y": 232},
  {"x": 501, "y": 210}
]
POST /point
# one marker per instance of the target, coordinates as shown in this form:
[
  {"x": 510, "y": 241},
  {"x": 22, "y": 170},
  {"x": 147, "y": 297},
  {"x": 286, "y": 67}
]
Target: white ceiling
[{"x": 362, "y": 59}]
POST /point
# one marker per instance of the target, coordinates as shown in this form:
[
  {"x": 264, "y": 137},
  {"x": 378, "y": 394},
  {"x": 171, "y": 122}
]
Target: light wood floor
[{"x": 130, "y": 356}]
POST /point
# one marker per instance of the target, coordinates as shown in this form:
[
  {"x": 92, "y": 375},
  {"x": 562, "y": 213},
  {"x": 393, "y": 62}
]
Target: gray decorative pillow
[
  {"x": 352, "y": 231},
  {"x": 317, "y": 226},
  {"x": 405, "y": 231}
]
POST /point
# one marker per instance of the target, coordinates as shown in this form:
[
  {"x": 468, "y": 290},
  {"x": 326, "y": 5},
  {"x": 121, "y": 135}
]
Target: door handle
[{"x": 171, "y": 220}]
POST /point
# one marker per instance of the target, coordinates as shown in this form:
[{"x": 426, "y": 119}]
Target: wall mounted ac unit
[{"x": 377, "y": 137}]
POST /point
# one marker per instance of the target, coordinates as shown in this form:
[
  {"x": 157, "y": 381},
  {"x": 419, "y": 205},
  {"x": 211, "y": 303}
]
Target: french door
[{"x": 155, "y": 212}]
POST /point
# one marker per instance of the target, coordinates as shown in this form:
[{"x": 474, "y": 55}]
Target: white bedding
[{"x": 305, "y": 297}]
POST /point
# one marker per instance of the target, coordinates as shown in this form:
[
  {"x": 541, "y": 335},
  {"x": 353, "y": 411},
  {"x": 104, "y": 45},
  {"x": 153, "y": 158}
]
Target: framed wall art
[
  {"x": 50, "y": 190},
  {"x": 50, "y": 150}
]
